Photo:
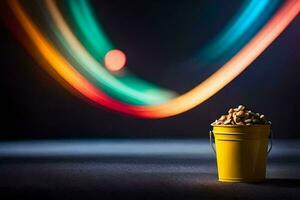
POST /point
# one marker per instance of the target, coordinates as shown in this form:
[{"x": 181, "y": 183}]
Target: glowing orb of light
[{"x": 115, "y": 60}]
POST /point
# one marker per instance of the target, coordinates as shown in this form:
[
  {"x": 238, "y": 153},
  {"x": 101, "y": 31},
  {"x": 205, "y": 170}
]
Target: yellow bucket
[{"x": 241, "y": 152}]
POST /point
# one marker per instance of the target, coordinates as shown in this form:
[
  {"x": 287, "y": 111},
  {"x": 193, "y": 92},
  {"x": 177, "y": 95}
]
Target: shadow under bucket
[{"x": 241, "y": 151}]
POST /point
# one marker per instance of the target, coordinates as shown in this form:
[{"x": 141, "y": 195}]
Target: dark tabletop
[{"x": 138, "y": 169}]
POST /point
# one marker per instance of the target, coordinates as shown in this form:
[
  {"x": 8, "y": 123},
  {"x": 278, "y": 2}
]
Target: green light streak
[
  {"x": 126, "y": 88},
  {"x": 141, "y": 94}
]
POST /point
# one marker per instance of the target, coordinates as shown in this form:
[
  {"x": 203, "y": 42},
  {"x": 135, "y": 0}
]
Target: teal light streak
[
  {"x": 248, "y": 20},
  {"x": 97, "y": 74},
  {"x": 251, "y": 16},
  {"x": 95, "y": 40},
  {"x": 91, "y": 31}
]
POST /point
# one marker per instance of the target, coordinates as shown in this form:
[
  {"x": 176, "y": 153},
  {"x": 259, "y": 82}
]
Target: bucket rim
[{"x": 240, "y": 126}]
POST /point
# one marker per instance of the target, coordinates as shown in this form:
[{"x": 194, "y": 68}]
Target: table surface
[{"x": 136, "y": 169}]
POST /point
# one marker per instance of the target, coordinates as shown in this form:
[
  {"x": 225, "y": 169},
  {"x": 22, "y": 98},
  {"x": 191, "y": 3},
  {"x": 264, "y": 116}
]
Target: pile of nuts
[{"x": 241, "y": 116}]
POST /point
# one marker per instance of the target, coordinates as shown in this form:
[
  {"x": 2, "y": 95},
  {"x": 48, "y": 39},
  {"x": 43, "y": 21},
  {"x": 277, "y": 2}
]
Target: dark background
[{"x": 157, "y": 36}]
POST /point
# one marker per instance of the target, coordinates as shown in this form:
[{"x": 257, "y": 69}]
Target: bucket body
[{"x": 241, "y": 152}]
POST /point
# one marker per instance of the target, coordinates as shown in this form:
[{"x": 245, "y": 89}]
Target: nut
[
  {"x": 241, "y": 107},
  {"x": 240, "y": 113},
  {"x": 248, "y": 121},
  {"x": 240, "y": 123},
  {"x": 223, "y": 117},
  {"x": 227, "y": 121},
  {"x": 236, "y": 119}
]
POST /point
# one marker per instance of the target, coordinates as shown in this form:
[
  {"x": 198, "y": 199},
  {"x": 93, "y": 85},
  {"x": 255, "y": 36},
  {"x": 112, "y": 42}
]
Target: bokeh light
[{"x": 115, "y": 60}]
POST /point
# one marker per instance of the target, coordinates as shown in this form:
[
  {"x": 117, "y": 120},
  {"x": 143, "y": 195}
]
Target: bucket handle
[
  {"x": 212, "y": 141},
  {"x": 271, "y": 136}
]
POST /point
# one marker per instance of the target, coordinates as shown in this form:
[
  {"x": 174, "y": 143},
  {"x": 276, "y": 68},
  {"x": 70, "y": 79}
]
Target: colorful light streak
[
  {"x": 90, "y": 31},
  {"x": 95, "y": 70},
  {"x": 54, "y": 60},
  {"x": 252, "y": 15},
  {"x": 250, "y": 18},
  {"x": 89, "y": 28},
  {"x": 182, "y": 103}
]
